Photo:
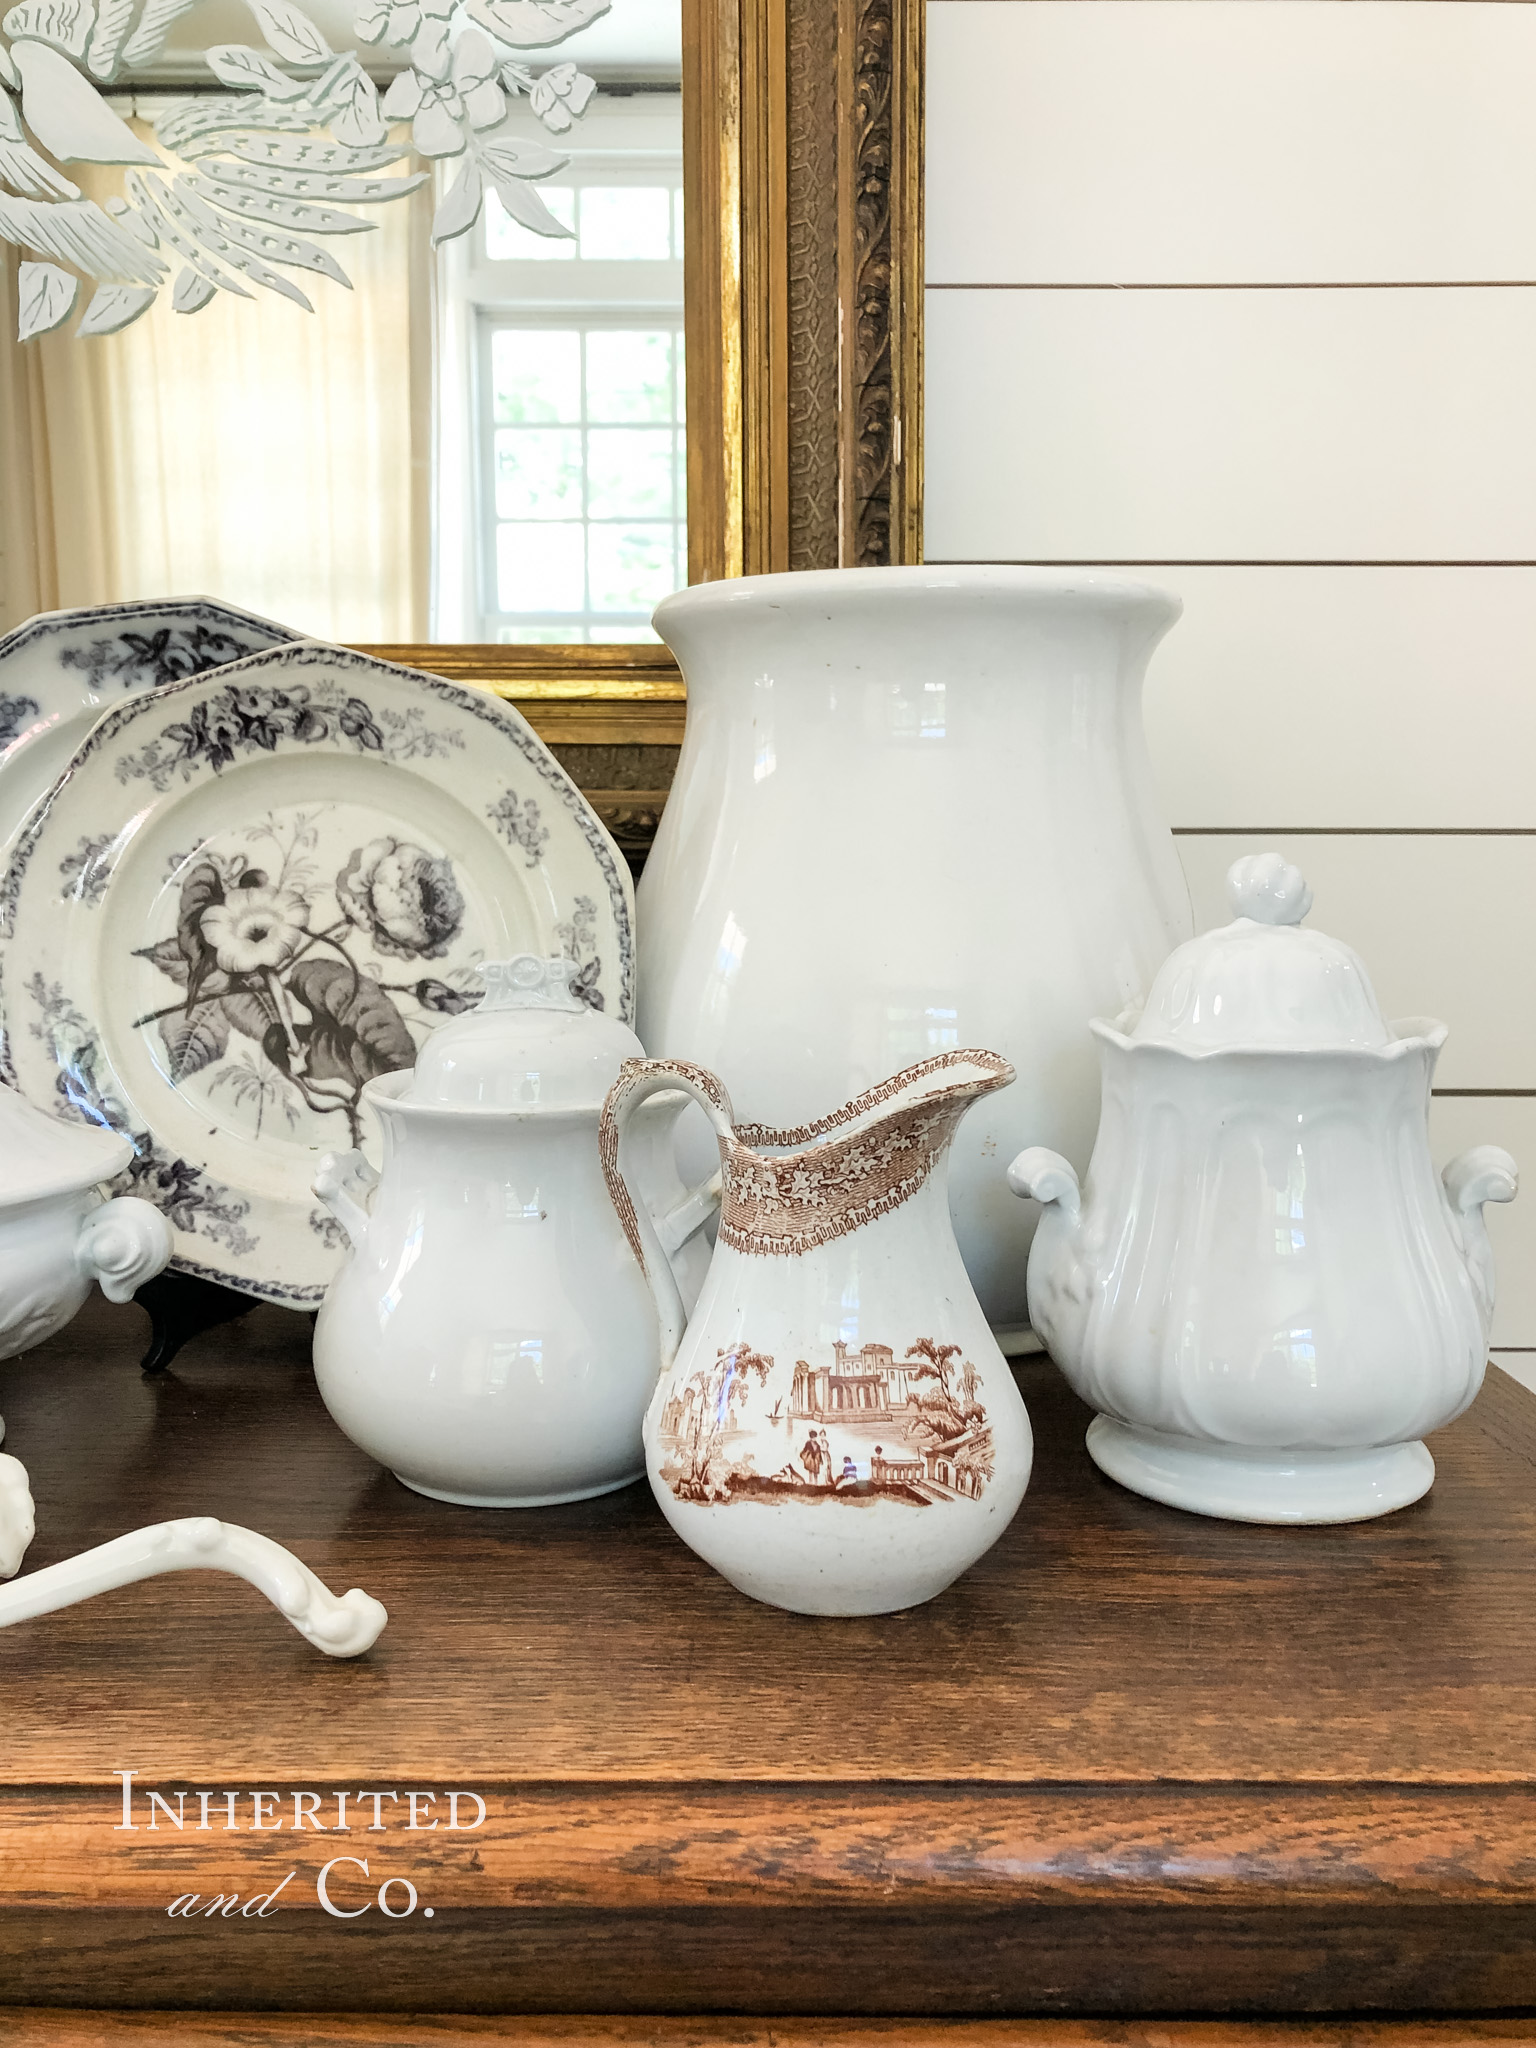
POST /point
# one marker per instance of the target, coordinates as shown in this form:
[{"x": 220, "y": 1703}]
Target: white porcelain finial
[
  {"x": 529, "y": 982},
  {"x": 1265, "y": 887}
]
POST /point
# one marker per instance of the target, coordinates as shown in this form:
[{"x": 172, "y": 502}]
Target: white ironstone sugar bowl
[{"x": 1262, "y": 1286}]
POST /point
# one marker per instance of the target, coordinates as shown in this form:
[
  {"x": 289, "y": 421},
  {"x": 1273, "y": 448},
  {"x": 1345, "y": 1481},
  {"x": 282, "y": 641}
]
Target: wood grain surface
[
  {"x": 1134, "y": 1762},
  {"x": 39, "y": 2029}
]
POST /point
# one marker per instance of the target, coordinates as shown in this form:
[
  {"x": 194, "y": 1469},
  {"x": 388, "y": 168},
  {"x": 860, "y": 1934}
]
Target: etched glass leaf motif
[{"x": 231, "y": 187}]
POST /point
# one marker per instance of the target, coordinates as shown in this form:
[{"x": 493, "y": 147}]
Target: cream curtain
[{"x": 277, "y": 459}]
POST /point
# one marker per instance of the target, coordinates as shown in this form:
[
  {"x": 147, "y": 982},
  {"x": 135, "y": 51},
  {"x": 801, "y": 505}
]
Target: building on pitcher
[{"x": 869, "y": 1384}]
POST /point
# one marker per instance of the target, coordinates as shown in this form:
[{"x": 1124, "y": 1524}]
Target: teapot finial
[
  {"x": 529, "y": 982},
  {"x": 1266, "y": 888}
]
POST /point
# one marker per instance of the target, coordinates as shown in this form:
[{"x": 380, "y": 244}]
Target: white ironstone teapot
[
  {"x": 1263, "y": 1287},
  {"x": 57, "y": 1231},
  {"x": 489, "y": 1338}
]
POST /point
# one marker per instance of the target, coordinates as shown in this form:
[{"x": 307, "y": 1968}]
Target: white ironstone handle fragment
[
  {"x": 341, "y": 1628},
  {"x": 18, "y": 1524}
]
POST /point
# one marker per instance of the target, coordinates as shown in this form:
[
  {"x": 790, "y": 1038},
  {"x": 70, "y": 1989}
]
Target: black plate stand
[{"x": 180, "y": 1308}]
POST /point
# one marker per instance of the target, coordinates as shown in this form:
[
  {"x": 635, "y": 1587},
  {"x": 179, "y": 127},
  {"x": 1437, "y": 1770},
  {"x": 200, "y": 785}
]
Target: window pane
[
  {"x": 563, "y": 636},
  {"x": 539, "y": 568},
  {"x": 538, "y": 473},
  {"x": 626, "y": 223},
  {"x": 535, "y": 375},
  {"x": 632, "y": 567},
  {"x": 603, "y": 636},
  {"x": 677, "y": 223},
  {"x": 508, "y": 240},
  {"x": 629, "y": 375},
  {"x": 629, "y": 472}
]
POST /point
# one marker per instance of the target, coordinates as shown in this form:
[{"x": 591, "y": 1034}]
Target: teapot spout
[{"x": 1484, "y": 1174}]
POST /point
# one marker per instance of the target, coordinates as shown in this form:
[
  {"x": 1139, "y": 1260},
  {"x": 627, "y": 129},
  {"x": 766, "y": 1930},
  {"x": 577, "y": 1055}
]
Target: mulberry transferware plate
[
  {"x": 253, "y": 891},
  {"x": 61, "y": 670}
]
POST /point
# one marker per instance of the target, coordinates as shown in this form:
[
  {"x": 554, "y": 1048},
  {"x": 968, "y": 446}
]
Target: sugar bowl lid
[
  {"x": 43, "y": 1155},
  {"x": 1261, "y": 983},
  {"x": 531, "y": 1043}
]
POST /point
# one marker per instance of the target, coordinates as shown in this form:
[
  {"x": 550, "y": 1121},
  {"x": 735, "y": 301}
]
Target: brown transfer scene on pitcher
[{"x": 864, "y": 1425}]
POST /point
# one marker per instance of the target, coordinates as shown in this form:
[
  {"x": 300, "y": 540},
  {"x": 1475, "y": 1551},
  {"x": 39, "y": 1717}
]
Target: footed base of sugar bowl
[
  {"x": 1238, "y": 1484},
  {"x": 519, "y": 1500}
]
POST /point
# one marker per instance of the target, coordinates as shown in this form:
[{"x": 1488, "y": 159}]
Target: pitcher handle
[
  {"x": 685, "y": 1219},
  {"x": 638, "y": 1080}
]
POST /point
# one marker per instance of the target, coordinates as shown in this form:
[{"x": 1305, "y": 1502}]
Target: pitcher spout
[{"x": 788, "y": 1191}]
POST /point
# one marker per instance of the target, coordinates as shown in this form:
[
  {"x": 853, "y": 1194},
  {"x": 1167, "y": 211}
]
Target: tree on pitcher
[
  {"x": 941, "y": 1413},
  {"x": 710, "y": 1398}
]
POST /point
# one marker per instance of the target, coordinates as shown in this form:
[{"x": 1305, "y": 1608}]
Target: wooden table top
[{"x": 1133, "y": 1762}]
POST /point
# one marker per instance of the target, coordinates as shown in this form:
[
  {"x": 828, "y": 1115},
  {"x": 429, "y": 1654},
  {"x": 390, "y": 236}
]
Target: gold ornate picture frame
[{"x": 803, "y": 167}]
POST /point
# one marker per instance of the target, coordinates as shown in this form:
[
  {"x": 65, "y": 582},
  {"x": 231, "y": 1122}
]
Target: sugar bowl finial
[
  {"x": 529, "y": 982},
  {"x": 1266, "y": 888}
]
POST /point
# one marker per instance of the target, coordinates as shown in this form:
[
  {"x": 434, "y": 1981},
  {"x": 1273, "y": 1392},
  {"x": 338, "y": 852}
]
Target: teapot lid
[
  {"x": 531, "y": 1043},
  {"x": 44, "y": 1155},
  {"x": 1262, "y": 983}
]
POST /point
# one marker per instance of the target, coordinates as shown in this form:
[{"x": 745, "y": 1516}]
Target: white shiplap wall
[{"x": 1241, "y": 295}]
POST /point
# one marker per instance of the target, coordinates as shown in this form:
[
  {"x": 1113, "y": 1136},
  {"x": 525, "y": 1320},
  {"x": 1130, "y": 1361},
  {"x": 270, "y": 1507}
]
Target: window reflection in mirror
[
  {"x": 481, "y": 443},
  {"x": 560, "y": 393}
]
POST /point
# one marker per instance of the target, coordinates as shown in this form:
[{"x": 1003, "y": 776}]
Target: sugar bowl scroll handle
[
  {"x": 1485, "y": 1174},
  {"x": 638, "y": 1081},
  {"x": 1044, "y": 1176},
  {"x": 345, "y": 1181},
  {"x": 122, "y": 1244}
]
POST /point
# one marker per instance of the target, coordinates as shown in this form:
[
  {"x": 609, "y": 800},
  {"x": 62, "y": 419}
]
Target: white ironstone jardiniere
[{"x": 913, "y": 811}]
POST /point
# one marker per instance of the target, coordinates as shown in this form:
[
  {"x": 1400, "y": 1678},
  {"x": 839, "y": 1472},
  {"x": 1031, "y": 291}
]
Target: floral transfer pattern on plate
[
  {"x": 257, "y": 891},
  {"x": 114, "y": 647},
  {"x": 858, "y": 1426},
  {"x": 302, "y": 965},
  {"x": 57, "y": 671}
]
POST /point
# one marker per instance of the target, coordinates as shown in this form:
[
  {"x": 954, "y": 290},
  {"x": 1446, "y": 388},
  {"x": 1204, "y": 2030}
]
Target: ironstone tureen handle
[{"x": 122, "y": 1244}]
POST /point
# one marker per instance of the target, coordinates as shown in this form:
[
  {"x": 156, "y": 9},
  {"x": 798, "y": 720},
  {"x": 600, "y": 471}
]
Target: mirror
[
  {"x": 369, "y": 471},
  {"x": 481, "y": 441}
]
